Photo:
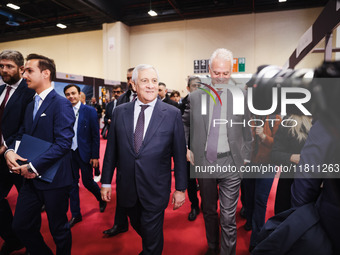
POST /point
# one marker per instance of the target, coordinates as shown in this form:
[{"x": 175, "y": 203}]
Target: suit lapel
[
  {"x": 128, "y": 117},
  {"x": 157, "y": 117},
  {"x": 14, "y": 97},
  {"x": 80, "y": 116},
  {"x": 2, "y": 87},
  {"x": 45, "y": 104}
]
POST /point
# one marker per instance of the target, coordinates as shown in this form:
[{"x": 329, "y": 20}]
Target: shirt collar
[
  {"x": 152, "y": 103},
  {"x": 44, "y": 94},
  {"x": 77, "y": 106},
  {"x": 16, "y": 85}
]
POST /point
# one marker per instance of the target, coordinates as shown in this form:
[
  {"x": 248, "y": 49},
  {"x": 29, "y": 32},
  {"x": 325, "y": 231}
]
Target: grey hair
[
  {"x": 141, "y": 68},
  {"x": 221, "y": 53},
  {"x": 14, "y": 56}
]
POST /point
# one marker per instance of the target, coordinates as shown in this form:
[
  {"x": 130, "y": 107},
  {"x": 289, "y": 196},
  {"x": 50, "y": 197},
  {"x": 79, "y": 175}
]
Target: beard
[{"x": 10, "y": 80}]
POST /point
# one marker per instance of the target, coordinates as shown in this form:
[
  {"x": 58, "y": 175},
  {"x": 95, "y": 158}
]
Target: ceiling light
[
  {"x": 13, "y": 6},
  {"x": 62, "y": 26},
  {"x": 281, "y": 1},
  {"x": 152, "y": 13}
]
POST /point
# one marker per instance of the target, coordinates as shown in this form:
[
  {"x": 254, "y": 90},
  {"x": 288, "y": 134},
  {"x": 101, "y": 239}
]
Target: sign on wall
[{"x": 202, "y": 65}]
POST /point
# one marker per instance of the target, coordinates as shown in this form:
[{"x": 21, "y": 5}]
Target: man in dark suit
[
  {"x": 192, "y": 182},
  {"x": 85, "y": 151},
  {"x": 116, "y": 91},
  {"x": 12, "y": 110},
  {"x": 219, "y": 145},
  {"x": 121, "y": 223},
  {"x": 144, "y": 135},
  {"x": 51, "y": 118},
  {"x": 163, "y": 94},
  {"x": 131, "y": 93}
]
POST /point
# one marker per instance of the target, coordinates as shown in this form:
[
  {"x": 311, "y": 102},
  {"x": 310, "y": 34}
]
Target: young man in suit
[
  {"x": 14, "y": 98},
  {"x": 85, "y": 151},
  {"x": 49, "y": 117},
  {"x": 143, "y": 137},
  {"x": 116, "y": 91}
]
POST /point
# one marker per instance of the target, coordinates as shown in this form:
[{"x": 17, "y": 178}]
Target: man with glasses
[{"x": 116, "y": 92}]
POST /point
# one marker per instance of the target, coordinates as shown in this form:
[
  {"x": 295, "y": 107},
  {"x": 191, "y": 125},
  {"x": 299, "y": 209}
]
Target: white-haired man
[
  {"x": 227, "y": 146},
  {"x": 144, "y": 135}
]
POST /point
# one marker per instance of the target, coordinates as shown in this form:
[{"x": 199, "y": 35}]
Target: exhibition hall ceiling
[{"x": 39, "y": 17}]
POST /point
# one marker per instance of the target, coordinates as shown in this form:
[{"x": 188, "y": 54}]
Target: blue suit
[
  {"x": 88, "y": 148},
  {"x": 12, "y": 119},
  {"x": 144, "y": 179},
  {"x": 53, "y": 123},
  {"x": 320, "y": 148}
]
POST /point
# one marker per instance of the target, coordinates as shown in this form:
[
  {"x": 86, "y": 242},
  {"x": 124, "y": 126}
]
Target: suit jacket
[
  {"x": 169, "y": 101},
  {"x": 125, "y": 98},
  {"x": 108, "y": 112},
  {"x": 239, "y": 136},
  {"x": 320, "y": 148},
  {"x": 14, "y": 111},
  {"x": 53, "y": 123},
  {"x": 185, "y": 102},
  {"x": 146, "y": 176},
  {"x": 88, "y": 133}
]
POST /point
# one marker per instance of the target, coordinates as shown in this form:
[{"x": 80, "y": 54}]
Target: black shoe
[
  {"x": 8, "y": 248},
  {"x": 102, "y": 205},
  {"x": 75, "y": 220},
  {"x": 247, "y": 226},
  {"x": 115, "y": 230},
  {"x": 211, "y": 251},
  {"x": 193, "y": 214}
]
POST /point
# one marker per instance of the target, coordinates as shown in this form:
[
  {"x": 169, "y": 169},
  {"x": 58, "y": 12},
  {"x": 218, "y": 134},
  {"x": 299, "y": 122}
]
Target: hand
[
  {"x": 106, "y": 193},
  {"x": 190, "y": 157},
  {"x": 259, "y": 132},
  {"x": 2, "y": 149},
  {"x": 11, "y": 159},
  {"x": 24, "y": 172},
  {"x": 178, "y": 199},
  {"x": 109, "y": 121},
  {"x": 94, "y": 162},
  {"x": 295, "y": 158}
]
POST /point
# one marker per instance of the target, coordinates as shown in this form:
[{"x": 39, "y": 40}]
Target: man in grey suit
[{"x": 218, "y": 151}]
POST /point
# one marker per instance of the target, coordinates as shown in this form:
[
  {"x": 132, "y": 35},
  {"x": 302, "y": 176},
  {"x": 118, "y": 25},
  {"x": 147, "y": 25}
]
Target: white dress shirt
[
  {"x": 75, "y": 127},
  {"x": 147, "y": 113}
]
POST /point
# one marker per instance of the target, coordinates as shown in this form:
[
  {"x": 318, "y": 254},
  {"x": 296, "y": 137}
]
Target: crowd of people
[{"x": 151, "y": 136}]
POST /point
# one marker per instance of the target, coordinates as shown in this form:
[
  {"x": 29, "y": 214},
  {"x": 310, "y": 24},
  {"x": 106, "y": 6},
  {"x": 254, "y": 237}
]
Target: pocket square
[{"x": 43, "y": 115}]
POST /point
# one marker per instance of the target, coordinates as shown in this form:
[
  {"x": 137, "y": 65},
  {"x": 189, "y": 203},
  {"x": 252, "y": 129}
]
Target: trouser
[
  {"x": 149, "y": 225},
  {"x": 87, "y": 178},
  {"x": 192, "y": 189},
  {"x": 27, "y": 219},
  {"x": 7, "y": 180},
  {"x": 227, "y": 193}
]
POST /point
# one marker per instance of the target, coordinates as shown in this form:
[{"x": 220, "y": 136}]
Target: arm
[
  {"x": 108, "y": 114},
  {"x": 95, "y": 139},
  {"x": 110, "y": 162},
  {"x": 179, "y": 152},
  {"x": 318, "y": 146}
]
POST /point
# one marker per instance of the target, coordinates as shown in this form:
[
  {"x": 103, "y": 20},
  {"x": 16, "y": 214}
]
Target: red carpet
[{"x": 180, "y": 235}]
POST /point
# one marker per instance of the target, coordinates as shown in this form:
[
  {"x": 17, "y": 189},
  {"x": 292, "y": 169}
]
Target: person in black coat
[
  {"x": 163, "y": 94},
  {"x": 288, "y": 143}
]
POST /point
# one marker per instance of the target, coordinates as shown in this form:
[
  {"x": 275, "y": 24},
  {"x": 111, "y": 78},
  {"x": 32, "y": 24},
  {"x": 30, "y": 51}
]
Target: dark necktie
[
  {"x": 2, "y": 106},
  {"x": 212, "y": 140},
  {"x": 134, "y": 97},
  {"x": 139, "y": 131}
]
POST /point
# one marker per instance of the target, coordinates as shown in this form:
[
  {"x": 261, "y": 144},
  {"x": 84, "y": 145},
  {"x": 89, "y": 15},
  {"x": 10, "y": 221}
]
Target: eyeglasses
[
  {"x": 128, "y": 78},
  {"x": 117, "y": 92}
]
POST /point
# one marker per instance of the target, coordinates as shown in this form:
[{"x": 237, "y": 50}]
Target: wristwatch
[{"x": 29, "y": 168}]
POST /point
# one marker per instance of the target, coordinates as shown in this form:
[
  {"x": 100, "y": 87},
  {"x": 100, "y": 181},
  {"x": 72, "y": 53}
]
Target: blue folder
[{"x": 31, "y": 148}]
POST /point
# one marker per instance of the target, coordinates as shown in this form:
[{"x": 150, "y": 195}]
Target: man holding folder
[{"x": 49, "y": 117}]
